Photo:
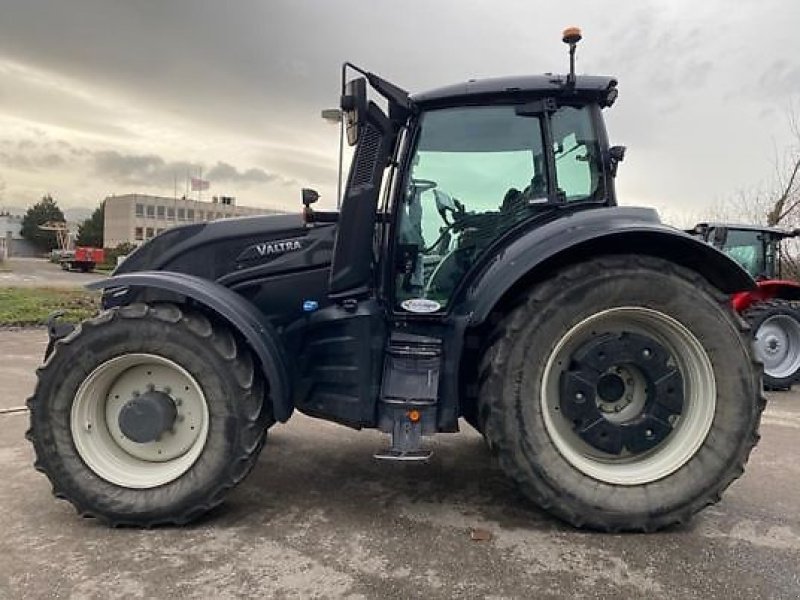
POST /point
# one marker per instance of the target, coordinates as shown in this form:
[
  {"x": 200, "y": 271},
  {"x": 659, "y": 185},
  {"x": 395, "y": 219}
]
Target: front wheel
[
  {"x": 147, "y": 415},
  {"x": 622, "y": 395}
]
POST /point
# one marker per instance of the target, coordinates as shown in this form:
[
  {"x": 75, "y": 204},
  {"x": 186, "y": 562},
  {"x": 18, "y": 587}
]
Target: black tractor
[
  {"x": 479, "y": 267},
  {"x": 772, "y": 308}
]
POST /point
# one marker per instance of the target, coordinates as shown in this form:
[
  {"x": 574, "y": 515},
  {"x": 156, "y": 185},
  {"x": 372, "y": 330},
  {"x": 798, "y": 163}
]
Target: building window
[
  {"x": 151, "y": 211},
  {"x": 140, "y": 210},
  {"x": 171, "y": 213},
  {"x": 190, "y": 214},
  {"x": 149, "y": 232},
  {"x": 138, "y": 233},
  {"x": 219, "y": 215},
  {"x": 200, "y": 215},
  {"x": 160, "y": 212},
  {"x": 181, "y": 214}
]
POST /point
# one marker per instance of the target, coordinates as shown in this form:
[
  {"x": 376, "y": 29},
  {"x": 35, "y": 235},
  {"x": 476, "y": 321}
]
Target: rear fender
[
  {"x": 767, "y": 289},
  {"x": 240, "y": 314},
  {"x": 583, "y": 235}
]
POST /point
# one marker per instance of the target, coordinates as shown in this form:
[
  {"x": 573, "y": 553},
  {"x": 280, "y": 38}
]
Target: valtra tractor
[
  {"x": 479, "y": 267},
  {"x": 771, "y": 308}
]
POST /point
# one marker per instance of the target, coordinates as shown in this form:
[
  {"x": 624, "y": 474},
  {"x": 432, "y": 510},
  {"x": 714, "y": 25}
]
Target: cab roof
[
  {"x": 598, "y": 88},
  {"x": 744, "y": 227}
]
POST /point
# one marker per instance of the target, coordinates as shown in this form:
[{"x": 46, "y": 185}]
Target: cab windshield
[
  {"x": 478, "y": 171},
  {"x": 748, "y": 248}
]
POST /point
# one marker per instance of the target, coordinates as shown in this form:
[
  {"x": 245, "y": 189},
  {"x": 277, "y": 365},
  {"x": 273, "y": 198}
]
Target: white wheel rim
[
  {"x": 691, "y": 427},
  {"x": 95, "y": 427},
  {"x": 777, "y": 345}
]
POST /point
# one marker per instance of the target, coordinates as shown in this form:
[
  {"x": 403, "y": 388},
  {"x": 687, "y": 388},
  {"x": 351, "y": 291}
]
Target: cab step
[{"x": 409, "y": 395}]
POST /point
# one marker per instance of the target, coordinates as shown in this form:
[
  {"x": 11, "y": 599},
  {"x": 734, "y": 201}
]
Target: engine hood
[{"x": 231, "y": 249}]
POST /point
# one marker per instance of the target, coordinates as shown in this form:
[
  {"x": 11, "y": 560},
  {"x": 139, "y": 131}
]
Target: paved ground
[
  {"x": 37, "y": 272},
  {"x": 319, "y": 518}
]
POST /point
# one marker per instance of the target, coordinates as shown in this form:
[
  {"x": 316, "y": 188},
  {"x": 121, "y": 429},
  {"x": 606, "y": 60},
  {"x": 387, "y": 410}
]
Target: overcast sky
[{"x": 111, "y": 96}]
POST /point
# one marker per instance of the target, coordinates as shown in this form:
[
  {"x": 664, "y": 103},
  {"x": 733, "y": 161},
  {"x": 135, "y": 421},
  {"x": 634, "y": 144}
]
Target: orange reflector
[
  {"x": 572, "y": 35},
  {"x": 414, "y": 416}
]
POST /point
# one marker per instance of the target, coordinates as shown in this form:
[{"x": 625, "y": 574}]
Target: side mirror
[
  {"x": 616, "y": 155},
  {"x": 309, "y": 197},
  {"x": 354, "y": 106},
  {"x": 720, "y": 236}
]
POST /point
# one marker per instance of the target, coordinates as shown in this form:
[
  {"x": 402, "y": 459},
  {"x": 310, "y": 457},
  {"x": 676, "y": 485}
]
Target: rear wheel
[
  {"x": 147, "y": 415},
  {"x": 776, "y": 327},
  {"x": 622, "y": 395}
]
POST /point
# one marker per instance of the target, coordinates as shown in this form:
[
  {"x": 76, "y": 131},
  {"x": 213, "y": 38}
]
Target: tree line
[{"x": 46, "y": 210}]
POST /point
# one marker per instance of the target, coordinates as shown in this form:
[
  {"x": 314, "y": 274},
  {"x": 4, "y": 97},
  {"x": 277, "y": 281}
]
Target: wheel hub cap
[
  {"x": 622, "y": 392},
  {"x": 145, "y": 417},
  {"x": 777, "y": 345}
]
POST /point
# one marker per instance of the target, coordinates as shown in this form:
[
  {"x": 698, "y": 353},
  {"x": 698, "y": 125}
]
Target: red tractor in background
[{"x": 773, "y": 309}]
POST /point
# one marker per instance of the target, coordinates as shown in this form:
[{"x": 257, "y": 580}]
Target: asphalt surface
[
  {"x": 37, "y": 272},
  {"x": 319, "y": 517}
]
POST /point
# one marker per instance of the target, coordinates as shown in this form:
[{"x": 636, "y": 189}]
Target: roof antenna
[{"x": 571, "y": 36}]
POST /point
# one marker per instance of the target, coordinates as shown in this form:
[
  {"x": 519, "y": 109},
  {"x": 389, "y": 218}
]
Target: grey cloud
[
  {"x": 30, "y": 162},
  {"x": 153, "y": 170},
  {"x": 228, "y": 172},
  {"x": 781, "y": 78}
]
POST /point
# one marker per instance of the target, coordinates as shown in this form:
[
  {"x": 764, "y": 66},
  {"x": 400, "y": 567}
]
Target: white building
[{"x": 134, "y": 218}]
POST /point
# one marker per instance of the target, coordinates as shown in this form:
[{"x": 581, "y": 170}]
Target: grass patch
[{"x": 31, "y": 306}]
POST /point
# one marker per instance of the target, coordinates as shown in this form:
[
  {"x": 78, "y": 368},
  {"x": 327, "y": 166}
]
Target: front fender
[
  {"x": 228, "y": 305},
  {"x": 583, "y": 235}
]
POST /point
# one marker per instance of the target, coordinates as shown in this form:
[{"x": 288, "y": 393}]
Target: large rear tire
[
  {"x": 147, "y": 415},
  {"x": 622, "y": 395},
  {"x": 776, "y": 327}
]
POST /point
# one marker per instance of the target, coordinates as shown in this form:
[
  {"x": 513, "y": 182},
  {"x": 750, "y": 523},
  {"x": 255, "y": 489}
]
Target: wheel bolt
[
  {"x": 579, "y": 397},
  {"x": 646, "y": 352}
]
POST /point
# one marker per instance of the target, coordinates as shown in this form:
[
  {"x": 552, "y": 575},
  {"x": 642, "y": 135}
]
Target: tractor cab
[
  {"x": 757, "y": 249},
  {"x": 465, "y": 168}
]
